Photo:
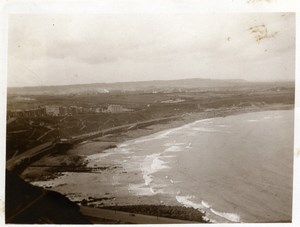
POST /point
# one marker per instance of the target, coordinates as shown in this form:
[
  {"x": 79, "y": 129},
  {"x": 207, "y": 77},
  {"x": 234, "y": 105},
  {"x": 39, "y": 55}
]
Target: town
[
  {"x": 36, "y": 119},
  {"x": 63, "y": 111}
]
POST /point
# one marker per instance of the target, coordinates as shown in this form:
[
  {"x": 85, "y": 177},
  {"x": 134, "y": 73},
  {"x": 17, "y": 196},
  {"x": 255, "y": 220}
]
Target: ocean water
[{"x": 236, "y": 169}]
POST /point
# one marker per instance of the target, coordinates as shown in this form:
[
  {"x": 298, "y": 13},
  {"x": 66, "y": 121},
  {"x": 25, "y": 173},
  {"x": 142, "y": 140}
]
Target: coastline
[
  {"x": 137, "y": 133},
  {"x": 183, "y": 120},
  {"x": 73, "y": 160}
]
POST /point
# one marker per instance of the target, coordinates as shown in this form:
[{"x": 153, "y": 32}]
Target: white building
[
  {"x": 114, "y": 108},
  {"x": 52, "y": 110}
]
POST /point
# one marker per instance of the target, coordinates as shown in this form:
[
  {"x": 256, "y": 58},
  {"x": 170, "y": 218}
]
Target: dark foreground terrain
[
  {"x": 34, "y": 205},
  {"x": 27, "y": 204}
]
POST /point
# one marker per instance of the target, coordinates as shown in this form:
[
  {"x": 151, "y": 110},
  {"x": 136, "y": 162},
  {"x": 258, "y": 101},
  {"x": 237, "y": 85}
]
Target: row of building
[
  {"x": 63, "y": 111},
  {"x": 38, "y": 112}
]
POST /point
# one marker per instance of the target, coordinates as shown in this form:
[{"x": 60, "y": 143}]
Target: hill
[{"x": 152, "y": 86}]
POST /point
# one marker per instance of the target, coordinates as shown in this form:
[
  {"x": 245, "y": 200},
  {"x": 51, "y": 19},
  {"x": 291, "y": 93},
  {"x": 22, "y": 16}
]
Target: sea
[{"x": 237, "y": 168}]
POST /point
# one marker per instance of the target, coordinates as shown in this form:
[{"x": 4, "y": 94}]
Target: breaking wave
[
  {"x": 229, "y": 216},
  {"x": 186, "y": 202}
]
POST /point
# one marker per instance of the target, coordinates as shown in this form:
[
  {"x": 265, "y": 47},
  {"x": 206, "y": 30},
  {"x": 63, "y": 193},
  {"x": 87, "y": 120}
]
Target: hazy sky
[{"x": 74, "y": 49}]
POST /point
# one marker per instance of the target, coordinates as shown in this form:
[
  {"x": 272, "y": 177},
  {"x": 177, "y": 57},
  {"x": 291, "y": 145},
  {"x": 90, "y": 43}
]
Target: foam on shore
[
  {"x": 173, "y": 149},
  {"x": 224, "y": 126},
  {"x": 173, "y": 144},
  {"x": 188, "y": 146},
  {"x": 153, "y": 163},
  {"x": 158, "y": 164},
  {"x": 205, "y": 204},
  {"x": 140, "y": 189},
  {"x": 148, "y": 179},
  {"x": 229, "y": 216},
  {"x": 252, "y": 120},
  {"x": 203, "y": 129},
  {"x": 186, "y": 202}
]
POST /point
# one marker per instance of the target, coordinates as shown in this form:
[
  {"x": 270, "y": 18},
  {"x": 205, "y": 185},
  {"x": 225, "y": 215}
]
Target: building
[
  {"x": 15, "y": 113},
  {"x": 38, "y": 112},
  {"x": 114, "y": 108},
  {"x": 52, "y": 110}
]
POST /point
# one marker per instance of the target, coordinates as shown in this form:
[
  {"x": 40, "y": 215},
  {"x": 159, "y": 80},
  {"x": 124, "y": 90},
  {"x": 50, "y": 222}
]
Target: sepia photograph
[{"x": 150, "y": 118}]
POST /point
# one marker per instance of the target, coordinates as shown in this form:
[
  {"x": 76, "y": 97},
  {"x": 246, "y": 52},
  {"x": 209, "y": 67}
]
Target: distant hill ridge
[{"x": 125, "y": 86}]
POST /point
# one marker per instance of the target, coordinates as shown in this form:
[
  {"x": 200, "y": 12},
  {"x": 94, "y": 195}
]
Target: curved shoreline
[
  {"x": 189, "y": 118},
  {"x": 180, "y": 123}
]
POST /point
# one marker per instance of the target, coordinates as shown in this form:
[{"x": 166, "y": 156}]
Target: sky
[{"x": 59, "y": 49}]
